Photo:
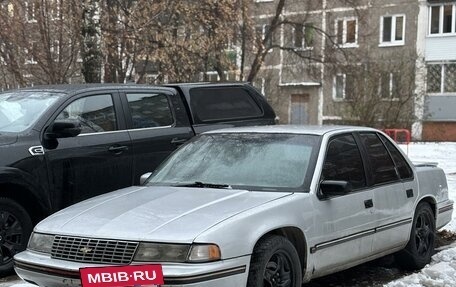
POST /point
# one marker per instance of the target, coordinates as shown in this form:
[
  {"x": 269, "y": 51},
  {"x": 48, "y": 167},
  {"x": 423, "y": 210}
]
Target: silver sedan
[{"x": 265, "y": 206}]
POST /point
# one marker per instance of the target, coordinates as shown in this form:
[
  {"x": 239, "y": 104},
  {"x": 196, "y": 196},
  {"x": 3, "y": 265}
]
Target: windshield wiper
[{"x": 205, "y": 185}]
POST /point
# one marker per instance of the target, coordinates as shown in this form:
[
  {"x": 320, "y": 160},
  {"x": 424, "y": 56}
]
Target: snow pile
[{"x": 441, "y": 272}]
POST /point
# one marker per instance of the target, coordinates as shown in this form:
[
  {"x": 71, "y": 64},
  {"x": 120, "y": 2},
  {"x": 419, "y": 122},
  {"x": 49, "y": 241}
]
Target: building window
[
  {"x": 30, "y": 54},
  {"x": 54, "y": 8},
  {"x": 389, "y": 84},
  {"x": 30, "y": 11},
  {"x": 339, "y": 86},
  {"x": 55, "y": 48},
  {"x": 261, "y": 33},
  {"x": 7, "y": 9},
  {"x": 212, "y": 76},
  {"x": 303, "y": 36},
  {"x": 344, "y": 87},
  {"x": 392, "y": 30},
  {"x": 260, "y": 84},
  {"x": 347, "y": 32},
  {"x": 441, "y": 78},
  {"x": 442, "y": 19}
]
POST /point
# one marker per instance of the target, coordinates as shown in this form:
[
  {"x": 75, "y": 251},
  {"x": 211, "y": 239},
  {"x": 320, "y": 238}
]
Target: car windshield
[
  {"x": 251, "y": 161},
  {"x": 20, "y": 110}
]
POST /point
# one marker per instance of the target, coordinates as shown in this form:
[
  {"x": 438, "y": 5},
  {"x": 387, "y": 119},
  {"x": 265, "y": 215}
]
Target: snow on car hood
[{"x": 164, "y": 214}]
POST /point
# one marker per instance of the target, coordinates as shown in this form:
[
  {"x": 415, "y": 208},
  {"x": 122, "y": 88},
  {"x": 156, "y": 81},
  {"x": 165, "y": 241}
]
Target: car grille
[{"x": 89, "y": 250}]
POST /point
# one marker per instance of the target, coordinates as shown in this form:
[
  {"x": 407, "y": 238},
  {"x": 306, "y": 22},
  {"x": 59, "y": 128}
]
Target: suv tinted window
[
  {"x": 383, "y": 169},
  {"x": 149, "y": 110},
  {"x": 343, "y": 162},
  {"x": 223, "y": 103},
  {"x": 95, "y": 113},
  {"x": 405, "y": 171}
]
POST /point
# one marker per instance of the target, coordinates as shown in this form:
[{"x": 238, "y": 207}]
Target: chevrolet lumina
[{"x": 257, "y": 206}]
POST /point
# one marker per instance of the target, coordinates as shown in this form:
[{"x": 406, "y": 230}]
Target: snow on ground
[{"x": 442, "y": 270}]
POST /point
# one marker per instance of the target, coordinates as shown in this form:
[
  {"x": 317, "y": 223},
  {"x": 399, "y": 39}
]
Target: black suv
[{"x": 62, "y": 144}]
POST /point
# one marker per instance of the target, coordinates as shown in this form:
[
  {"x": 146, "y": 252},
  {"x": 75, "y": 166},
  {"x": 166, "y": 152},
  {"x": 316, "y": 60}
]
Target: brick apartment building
[{"x": 368, "y": 60}]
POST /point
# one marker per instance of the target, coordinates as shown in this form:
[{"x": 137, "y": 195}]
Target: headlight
[
  {"x": 41, "y": 242},
  {"x": 163, "y": 252}
]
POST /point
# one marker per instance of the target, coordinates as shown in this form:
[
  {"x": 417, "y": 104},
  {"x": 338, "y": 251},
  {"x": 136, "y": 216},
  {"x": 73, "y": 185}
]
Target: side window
[
  {"x": 383, "y": 168},
  {"x": 149, "y": 110},
  {"x": 210, "y": 104},
  {"x": 95, "y": 113},
  {"x": 343, "y": 162},
  {"x": 405, "y": 171}
]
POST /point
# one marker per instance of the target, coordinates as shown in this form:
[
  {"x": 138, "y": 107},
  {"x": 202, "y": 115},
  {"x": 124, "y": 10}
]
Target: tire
[
  {"x": 15, "y": 229},
  {"x": 274, "y": 262},
  {"x": 420, "y": 247}
]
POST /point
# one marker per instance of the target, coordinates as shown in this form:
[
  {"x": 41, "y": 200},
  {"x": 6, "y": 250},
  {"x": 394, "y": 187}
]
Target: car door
[
  {"x": 394, "y": 192},
  {"x": 344, "y": 224},
  {"x": 157, "y": 124},
  {"x": 96, "y": 161}
]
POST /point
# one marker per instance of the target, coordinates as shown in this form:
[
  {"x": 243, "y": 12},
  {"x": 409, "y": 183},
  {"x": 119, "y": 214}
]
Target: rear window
[{"x": 212, "y": 104}]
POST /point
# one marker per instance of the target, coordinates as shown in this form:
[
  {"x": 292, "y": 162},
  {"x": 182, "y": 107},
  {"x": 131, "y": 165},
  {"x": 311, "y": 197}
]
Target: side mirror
[
  {"x": 329, "y": 188},
  {"x": 144, "y": 177},
  {"x": 64, "y": 129}
]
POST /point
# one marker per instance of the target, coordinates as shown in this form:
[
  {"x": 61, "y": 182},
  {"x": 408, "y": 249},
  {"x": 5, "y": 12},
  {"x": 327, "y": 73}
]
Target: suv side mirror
[
  {"x": 64, "y": 129},
  {"x": 329, "y": 188}
]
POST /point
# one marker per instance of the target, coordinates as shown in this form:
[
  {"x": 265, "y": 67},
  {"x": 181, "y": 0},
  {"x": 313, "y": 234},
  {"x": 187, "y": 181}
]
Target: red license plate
[{"x": 121, "y": 276}]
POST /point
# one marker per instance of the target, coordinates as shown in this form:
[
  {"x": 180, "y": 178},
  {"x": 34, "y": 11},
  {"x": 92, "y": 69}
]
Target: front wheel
[
  {"x": 274, "y": 262},
  {"x": 15, "y": 230},
  {"x": 420, "y": 247}
]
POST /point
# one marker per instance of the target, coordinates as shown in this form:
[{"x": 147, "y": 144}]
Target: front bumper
[{"x": 42, "y": 270}]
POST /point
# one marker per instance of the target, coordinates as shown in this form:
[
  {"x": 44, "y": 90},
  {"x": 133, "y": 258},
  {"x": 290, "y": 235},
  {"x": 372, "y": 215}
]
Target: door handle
[
  {"x": 117, "y": 149},
  {"x": 178, "y": 141},
  {"x": 368, "y": 203}
]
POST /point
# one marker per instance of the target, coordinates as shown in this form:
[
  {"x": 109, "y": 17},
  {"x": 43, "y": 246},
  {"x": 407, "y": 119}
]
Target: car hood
[
  {"x": 164, "y": 214},
  {"x": 6, "y": 139}
]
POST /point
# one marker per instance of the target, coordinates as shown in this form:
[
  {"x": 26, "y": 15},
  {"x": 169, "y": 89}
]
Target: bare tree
[
  {"x": 91, "y": 41},
  {"x": 378, "y": 93},
  {"x": 256, "y": 46},
  {"x": 39, "y": 40},
  {"x": 178, "y": 38}
]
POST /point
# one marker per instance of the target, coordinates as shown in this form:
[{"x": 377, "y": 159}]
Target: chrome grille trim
[{"x": 92, "y": 250}]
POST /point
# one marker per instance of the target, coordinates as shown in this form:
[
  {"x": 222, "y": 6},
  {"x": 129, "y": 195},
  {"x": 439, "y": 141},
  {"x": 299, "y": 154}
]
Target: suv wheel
[{"x": 15, "y": 230}]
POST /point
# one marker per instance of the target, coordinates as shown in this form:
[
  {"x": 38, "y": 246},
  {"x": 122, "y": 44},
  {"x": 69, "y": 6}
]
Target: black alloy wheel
[
  {"x": 15, "y": 229},
  {"x": 420, "y": 247},
  {"x": 274, "y": 263},
  {"x": 424, "y": 235}
]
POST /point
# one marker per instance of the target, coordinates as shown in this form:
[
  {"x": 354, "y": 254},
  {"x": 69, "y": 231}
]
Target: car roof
[
  {"x": 77, "y": 88},
  {"x": 293, "y": 129},
  {"x": 206, "y": 84}
]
